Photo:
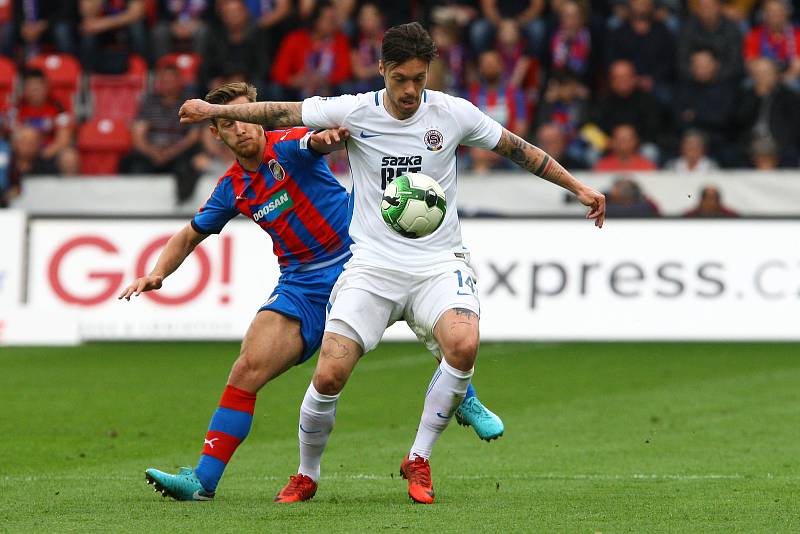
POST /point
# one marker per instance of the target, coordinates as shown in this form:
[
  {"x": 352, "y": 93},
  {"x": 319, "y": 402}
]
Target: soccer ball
[{"x": 413, "y": 205}]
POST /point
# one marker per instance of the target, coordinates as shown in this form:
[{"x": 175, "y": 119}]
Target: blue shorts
[{"x": 304, "y": 296}]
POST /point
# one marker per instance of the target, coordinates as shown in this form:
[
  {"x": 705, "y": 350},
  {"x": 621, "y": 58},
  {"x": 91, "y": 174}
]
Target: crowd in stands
[{"x": 93, "y": 86}]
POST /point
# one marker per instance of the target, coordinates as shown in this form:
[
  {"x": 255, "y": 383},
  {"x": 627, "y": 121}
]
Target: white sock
[
  {"x": 445, "y": 393},
  {"x": 317, "y": 414}
]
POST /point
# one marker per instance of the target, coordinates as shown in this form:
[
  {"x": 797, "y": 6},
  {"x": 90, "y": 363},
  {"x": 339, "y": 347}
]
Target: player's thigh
[
  {"x": 444, "y": 313},
  {"x": 273, "y": 343},
  {"x": 363, "y": 303}
]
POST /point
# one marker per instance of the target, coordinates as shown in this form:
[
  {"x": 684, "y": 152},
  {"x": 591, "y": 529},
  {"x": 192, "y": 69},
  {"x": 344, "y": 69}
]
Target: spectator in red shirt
[
  {"x": 502, "y": 102},
  {"x": 710, "y": 205},
  {"x": 776, "y": 39},
  {"x": 624, "y": 154},
  {"x": 38, "y": 110},
  {"x": 313, "y": 61}
]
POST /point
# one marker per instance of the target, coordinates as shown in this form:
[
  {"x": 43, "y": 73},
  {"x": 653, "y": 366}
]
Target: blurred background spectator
[
  {"x": 367, "y": 49},
  {"x": 626, "y": 103},
  {"x": 500, "y": 100},
  {"x": 527, "y": 15},
  {"x": 234, "y": 47},
  {"x": 160, "y": 143},
  {"x": 551, "y": 138},
  {"x": 110, "y": 31},
  {"x": 40, "y": 24},
  {"x": 709, "y": 29},
  {"x": 181, "y": 26},
  {"x": 776, "y": 39},
  {"x": 769, "y": 110},
  {"x": 625, "y": 199},
  {"x": 566, "y": 104},
  {"x": 647, "y": 43},
  {"x": 710, "y": 205},
  {"x": 707, "y": 103},
  {"x": 39, "y": 110},
  {"x": 314, "y": 60},
  {"x": 624, "y": 154},
  {"x": 693, "y": 158},
  {"x": 570, "y": 47}
]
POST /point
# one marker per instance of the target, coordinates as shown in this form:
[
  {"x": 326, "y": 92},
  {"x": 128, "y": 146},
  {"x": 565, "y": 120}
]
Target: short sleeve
[
  {"x": 477, "y": 128},
  {"x": 327, "y": 111},
  {"x": 218, "y": 209}
]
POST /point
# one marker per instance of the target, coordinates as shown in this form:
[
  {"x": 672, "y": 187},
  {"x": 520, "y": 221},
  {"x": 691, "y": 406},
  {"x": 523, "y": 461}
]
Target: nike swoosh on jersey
[
  {"x": 309, "y": 431},
  {"x": 365, "y": 135}
]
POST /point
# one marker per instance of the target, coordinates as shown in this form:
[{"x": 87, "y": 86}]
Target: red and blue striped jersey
[{"x": 293, "y": 196}]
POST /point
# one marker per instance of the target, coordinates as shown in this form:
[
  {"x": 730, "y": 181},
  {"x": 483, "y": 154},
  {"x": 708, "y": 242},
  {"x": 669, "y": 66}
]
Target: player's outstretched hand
[
  {"x": 597, "y": 205},
  {"x": 194, "y": 110},
  {"x": 140, "y": 285},
  {"x": 329, "y": 140}
]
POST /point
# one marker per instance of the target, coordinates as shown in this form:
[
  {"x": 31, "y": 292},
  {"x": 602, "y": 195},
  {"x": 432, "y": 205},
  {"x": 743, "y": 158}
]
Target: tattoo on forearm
[
  {"x": 269, "y": 114},
  {"x": 530, "y": 158}
]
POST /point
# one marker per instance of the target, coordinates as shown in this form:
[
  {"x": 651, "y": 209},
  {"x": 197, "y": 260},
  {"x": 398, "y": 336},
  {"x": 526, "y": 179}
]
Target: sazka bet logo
[{"x": 433, "y": 140}]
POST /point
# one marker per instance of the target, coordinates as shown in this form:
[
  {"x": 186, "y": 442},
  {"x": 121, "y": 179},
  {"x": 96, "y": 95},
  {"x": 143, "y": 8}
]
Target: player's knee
[
  {"x": 462, "y": 352},
  {"x": 329, "y": 381}
]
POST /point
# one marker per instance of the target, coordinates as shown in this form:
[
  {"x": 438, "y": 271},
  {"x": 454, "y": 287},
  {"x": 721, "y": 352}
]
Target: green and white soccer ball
[{"x": 414, "y": 205}]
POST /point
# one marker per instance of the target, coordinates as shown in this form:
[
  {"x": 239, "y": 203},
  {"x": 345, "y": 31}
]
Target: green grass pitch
[{"x": 599, "y": 438}]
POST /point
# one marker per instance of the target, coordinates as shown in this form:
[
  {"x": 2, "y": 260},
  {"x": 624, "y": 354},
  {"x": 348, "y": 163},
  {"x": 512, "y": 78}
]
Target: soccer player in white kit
[{"x": 428, "y": 282}]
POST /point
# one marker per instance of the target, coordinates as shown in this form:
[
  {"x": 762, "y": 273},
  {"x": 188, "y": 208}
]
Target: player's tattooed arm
[
  {"x": 536, "y": 161},
  {"x": 533, "y": 159},
  {"x": 269, "y": 114}
]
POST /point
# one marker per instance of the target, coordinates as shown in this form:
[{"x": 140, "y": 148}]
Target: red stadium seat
[
  {"x": 102, "y": 143},
  {"x": 117, "y": 96},
  {"x": 63, "y": 74},
  {"x": 187, "y": 64},
  {"x": 8, "y": 81}
]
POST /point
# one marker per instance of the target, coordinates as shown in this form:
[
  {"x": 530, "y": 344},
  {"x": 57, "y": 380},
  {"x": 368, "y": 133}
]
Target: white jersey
[{"x": 382, "y": 147}]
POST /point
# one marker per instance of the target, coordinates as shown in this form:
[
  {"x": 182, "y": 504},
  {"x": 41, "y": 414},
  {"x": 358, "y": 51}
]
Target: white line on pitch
[{"x": 499, "y": 477}]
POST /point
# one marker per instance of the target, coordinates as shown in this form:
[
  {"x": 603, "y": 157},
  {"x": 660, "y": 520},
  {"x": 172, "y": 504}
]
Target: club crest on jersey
[
  {"x": 276, "y": 170},
  {"x": 433, "y": 140}
]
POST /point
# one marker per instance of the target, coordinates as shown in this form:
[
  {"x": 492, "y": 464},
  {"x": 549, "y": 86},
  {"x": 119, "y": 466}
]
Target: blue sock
[{"x": 470, "y": 392}]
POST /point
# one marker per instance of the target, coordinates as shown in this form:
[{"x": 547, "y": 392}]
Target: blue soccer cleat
[
  {"x": 184, "y": 486},
  {"x": 486, "y": 424}
]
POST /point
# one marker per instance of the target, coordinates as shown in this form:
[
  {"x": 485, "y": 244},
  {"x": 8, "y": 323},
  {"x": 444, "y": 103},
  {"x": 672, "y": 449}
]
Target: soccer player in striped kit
[{"x": 283, "y": 184}]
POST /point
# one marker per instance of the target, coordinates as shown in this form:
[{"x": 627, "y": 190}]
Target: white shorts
[{"x": 366, "y": 300}]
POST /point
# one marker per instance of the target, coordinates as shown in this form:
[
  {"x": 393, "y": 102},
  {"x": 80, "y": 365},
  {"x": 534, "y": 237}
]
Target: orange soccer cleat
[
  {"x": 418, "y": 474},
  {"x": 300, "y": 488}
]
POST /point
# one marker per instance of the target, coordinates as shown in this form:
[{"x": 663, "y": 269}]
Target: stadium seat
[
  {"x": 63, "y": 74},
  {"x": 8, "y": 81},
  {"x": 117, "y": 96},
  {"x": 187, "y": 64},
  {"x": 102, "y": 143}
]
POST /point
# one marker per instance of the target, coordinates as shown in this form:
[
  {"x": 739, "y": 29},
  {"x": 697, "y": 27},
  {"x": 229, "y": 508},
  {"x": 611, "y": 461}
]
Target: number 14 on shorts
[{"x": 465, "y": 283}]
